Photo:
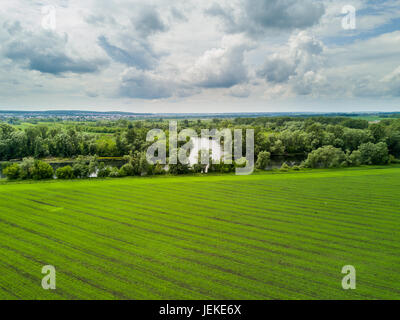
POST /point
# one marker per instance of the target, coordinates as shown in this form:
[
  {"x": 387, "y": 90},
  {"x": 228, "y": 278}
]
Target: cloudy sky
[{"x": 199, "y": 56}]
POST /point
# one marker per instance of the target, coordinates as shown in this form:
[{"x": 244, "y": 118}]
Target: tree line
[{"x": 323, "y": 141}]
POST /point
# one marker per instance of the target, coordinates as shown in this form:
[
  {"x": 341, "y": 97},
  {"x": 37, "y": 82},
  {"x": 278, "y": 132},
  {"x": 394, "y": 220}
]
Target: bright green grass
[{"x": 265, "y": 236}]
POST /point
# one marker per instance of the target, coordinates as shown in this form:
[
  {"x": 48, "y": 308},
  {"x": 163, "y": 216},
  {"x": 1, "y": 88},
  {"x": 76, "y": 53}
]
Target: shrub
[
  {"x": 284, "y": 167},
  {"x": 42, "y": 170},
  {"x": 12, "y": 172},
  {"x": 159, "y": 168},
  {"x": 226, "y": 167},
  {"x": 80, "y": 170},
  {"x": 240, "y": 163},
  {"x": 197, "y": 168},
  {"x": 114, "y": 173},
  {"x": 26, "y": 168},
  {"x": 179, "y": 168},
  {"x": 92, "y": 167},
  {"x": 392, "y": 159},
  {"x": 127, "y": 170},
  {"x": 144, "y": 166},
  {"x": 5, "y": 164},
  {"x": 65, "y": 173},
  {"x": 103, "y": 171},
  {"x": 325, "y": 157},
  {"x": 263, "y": 160}
]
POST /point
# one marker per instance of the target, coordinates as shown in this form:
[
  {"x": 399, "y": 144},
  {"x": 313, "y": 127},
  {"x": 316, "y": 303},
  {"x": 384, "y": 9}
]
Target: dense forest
[{"x": 322, "y": 141}]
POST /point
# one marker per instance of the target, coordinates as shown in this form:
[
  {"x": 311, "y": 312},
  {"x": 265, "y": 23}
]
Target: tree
[
  {"x": 393, "y": 142},
  {"x": 353, "y": 138},
  {"x": 65, "y": 173},
  {"x": 17, "y": 144},
  {"x": 106, "y": 147},
  {"x": 130, "y": 135},
  {"x": 26, "y": 168},
  {"x": 354, "y": 158},
  {"x": 121, "y": 144},
  {"x": 374, "y": 153},
  {"x": 5, "y": 130},
  {"x": 12, "y": 172},
  {"x": 198, "y": 167},
  {"x": 135, "y": 161},
  {"x": 127, "y": 170},
  {"x": 263, "y": 160},
  {"x": 355, "y": 123},
  {"x": 81, "y": 169},
  {"x": 144, "y": 166},
  {"x": 40, "y": 148},
  {"x": 114, "y": 173},
  {"x": 278, "y": 147},
  {"x": 104, "y": 171},
  {"x": 378, "y": 131},
  {"x": 93, "y": 164},
  {"x": 325, "y": 157},
  {"x": 42, "y": 170}
]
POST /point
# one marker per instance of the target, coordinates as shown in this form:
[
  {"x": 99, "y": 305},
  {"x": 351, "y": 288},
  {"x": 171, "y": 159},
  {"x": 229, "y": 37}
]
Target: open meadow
[{"x": 264, "y": 236}]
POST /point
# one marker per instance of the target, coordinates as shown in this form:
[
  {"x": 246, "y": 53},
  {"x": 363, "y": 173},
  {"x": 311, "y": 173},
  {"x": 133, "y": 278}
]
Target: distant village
[{"x": 14, "y": 116}]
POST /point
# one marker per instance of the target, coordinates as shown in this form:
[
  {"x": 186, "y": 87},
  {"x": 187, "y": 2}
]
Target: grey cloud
[
  {"x": 255, "y": 17},
  {"x": 392, "y": 83},
  {"x": 135, "y": 48},
  {"x": 139, "y": 55},
  {"x": 240, "y": 92},
  {"x": 91, "y": 94},
  {"x": 370, "y": 86},
  {"x": 12, "y": 28},
  {"x": 302, "y": 55},
  {"x": 139, "y": 84},
  {"x": 217, "y": 68},
  {"x": 178, "y": 15},
  {"x": 277, "y": 70},
  {"x": 100, "y": 20},
  {"x": 55, "y": 63},
  {"x": 148, "y": 22},
  {"x": 226, "y": 14},
  {"x": 45, "y": 52}
]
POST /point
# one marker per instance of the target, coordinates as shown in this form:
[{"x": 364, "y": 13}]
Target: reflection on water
[{"x": 205, "y": 144}]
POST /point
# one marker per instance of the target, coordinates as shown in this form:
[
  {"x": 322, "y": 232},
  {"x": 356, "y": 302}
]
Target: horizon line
[{"x": 199, "y": 113}]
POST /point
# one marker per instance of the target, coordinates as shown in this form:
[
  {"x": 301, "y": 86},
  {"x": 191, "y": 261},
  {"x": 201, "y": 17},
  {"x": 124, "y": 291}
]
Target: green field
[{"x": 265, "y": 236}]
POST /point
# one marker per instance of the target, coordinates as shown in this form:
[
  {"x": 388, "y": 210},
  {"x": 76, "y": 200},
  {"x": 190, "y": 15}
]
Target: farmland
[{"x": 265, "y": 236}]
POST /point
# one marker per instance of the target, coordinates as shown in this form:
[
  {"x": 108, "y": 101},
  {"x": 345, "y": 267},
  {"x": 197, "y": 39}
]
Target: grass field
[{"x": 265, "y": 236}]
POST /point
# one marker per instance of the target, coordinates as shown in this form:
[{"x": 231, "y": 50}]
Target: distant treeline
[{"x": 18, "y": 117}]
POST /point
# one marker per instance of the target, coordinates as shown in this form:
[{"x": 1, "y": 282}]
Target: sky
[{"x": 200, "y": 56}]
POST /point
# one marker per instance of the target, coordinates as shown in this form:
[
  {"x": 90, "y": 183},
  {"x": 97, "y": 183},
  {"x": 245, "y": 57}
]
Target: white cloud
[
  {"x": 296, "y": 64},
  {"x": 110, "y": 53},
  {"x": 220, "y": 67}
]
